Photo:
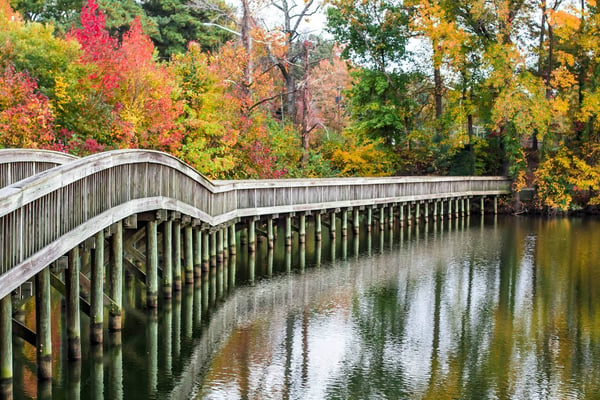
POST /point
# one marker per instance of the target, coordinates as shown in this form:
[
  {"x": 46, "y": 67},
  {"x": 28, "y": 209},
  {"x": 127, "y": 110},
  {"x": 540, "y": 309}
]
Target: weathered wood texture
[
  {"x": 46, "y": 215},
  {"x": 17, "y": 164}
]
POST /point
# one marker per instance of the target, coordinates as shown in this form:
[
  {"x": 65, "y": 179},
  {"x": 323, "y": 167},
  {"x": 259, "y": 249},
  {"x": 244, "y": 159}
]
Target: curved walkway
[{"x": 44, "y": 216}]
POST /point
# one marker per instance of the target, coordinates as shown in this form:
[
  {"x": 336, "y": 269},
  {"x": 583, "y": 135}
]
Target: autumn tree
[{"x": 26, "y": 119}]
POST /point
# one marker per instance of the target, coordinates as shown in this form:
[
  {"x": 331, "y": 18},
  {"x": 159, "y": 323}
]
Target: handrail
[
  {"x": 17, "y": 164},
  {"x": 44, "y": 216}
]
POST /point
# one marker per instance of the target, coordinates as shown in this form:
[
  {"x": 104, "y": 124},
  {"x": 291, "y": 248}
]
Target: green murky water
[{"x": 468, "y": 309}]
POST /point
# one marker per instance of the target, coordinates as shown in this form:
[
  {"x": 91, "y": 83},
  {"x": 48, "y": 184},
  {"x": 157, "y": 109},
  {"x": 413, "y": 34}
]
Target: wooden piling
[
  {"x": 220, "y": 245},
  {"x": 213, "y": 248},
  {"x": 401, "y": 214},
  {"x": 177, "y": 255},
  {"x": 167, "y": 278},
  {"x": 332, "y": 224},
  {"x": 97, "y": 292},
  {"x": 318, "y": 227},
  {"x": 344, "y": 222},
  {"x": 288, "y": 230},
  {"x": 73, "y": 317},
  {"x": 251, "y": 235},
  {"x": 43, "y": 324},
  {"x": 151, "y": 264},
  {"x": 232, "y": 241},
  {"x": 302, "y": 230},
  {"x": 270, "y": 236},
  {"x": 205, "y": 250},
  {"x": 116, "y": 277},
  {"x": 6, "y": 350},
  {"x": 356, "y": 220},
  {"x": 189, "y": 254},
  {"x": 369, "y": 218}
]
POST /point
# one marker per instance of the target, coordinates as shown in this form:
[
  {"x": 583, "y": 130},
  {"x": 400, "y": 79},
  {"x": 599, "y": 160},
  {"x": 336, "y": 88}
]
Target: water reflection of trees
[{"x": 506, "y": 311}]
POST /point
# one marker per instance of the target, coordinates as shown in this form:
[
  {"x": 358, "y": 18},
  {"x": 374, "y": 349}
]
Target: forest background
[{"x": 395, "y": 87}]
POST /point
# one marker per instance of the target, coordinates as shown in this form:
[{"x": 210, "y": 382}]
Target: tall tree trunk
[
  {"x": 306, "y": 129},
  {"x": 246, "y": 27}
]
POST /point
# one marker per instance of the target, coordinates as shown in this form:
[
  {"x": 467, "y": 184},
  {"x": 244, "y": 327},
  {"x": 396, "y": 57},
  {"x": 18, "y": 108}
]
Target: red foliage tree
[{"x": 26, "y": 119}]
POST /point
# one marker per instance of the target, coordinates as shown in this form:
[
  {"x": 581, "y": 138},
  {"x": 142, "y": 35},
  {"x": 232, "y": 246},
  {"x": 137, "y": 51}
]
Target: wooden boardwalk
[{"x": 145, "y": 208}]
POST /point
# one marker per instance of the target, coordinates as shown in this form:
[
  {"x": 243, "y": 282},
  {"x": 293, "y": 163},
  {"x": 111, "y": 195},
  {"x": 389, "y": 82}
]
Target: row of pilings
[{"x": 168, "y": 251}]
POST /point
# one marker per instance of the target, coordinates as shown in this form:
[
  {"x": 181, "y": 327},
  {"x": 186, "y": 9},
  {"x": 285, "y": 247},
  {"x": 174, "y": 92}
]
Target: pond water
[{"x": 505, "y": 308}]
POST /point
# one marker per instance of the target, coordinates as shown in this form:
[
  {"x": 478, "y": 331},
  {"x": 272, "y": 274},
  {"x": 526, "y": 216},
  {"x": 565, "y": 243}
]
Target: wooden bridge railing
[
  {"x": 17, "y": 164},
  {"x": 46, "y": 215}
]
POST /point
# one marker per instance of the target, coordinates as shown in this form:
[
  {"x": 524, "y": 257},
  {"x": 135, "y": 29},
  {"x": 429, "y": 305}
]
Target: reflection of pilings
[
  {"x": 205, "y": 293},
  {"x": 251, "y": 267},
  {"x": 97, "y": 371},
  {"x": 318, "y": 253},
  {"x": 115, "y": 367},
  {"x": 188, "y": 311},
  {"x": 197, "y": 304},
  {"x": 152, "y": 351},
  {"x": 270, "y": 262},
  {"x": 332, "y": 248},
  {"x": 43, "y": 331},
  {"x": 73, "y": 319},
  {"x": 176, "y": 302},
  {"x": 232, "y": 271},
  {"x": 288, "y": 259},
  {"x": 74, "y": 379},
  {"x": 225, "y": 268},
  {"x": 301, "y": 289},
  {"x": 44, "y": 389},
  {"x": 302, "y": 261},
  {"x": 115, "y": 270},
  {"x": 166, "y": 331},
  {"x": 97, "y": 292},
  {"x": 213, "y": 286},
  {"x": 220, "y": 280}
]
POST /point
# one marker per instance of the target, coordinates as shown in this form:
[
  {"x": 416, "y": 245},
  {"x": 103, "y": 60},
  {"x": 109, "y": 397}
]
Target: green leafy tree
[{"x": 178, "y": 22}]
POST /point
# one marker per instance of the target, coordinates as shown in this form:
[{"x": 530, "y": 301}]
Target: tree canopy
[{"x": 404, "y": 87}]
